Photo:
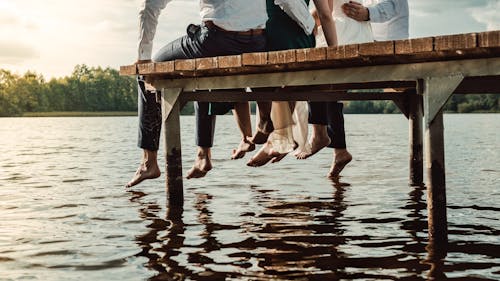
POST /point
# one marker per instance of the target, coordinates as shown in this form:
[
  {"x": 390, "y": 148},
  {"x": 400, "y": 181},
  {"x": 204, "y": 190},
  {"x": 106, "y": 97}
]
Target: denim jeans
[{"x": 200, "y": 41}]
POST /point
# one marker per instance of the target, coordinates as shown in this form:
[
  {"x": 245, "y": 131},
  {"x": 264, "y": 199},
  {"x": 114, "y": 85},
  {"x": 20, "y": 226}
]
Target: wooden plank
[
  {"x": 383, "y": 48},
  {"x": 354, "y": 74},
  {"x": 336, "y": 59},
  {"x": 128, "y": 69},
  {"x": 285, "y": 95},
  {"x": 310, "y": 54},
  {"x": 342, "y": 52},
  {"x": 229, "y": 61},
  {"x": 489, "y": 39},
  {"x": 164, "y": 67},
  {"x": 455, "y": 42},
  {"x": 146, "y": 68},
  {"x": 185, "y": 65},
  {"x": 479, "y": 85},
  {"x": 278, "y": 57},
  {"x": 412, "y": 46},
  {"x": 248, "y": 59},
  {"x": 206, "y": 63}
]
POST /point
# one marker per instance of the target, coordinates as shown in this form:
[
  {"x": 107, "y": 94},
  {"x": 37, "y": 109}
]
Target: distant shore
[
  {"x": 134, "y": 113},
  {"x": 79, "y": 114}
]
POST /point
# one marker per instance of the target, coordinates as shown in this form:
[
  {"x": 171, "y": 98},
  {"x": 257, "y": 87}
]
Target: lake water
[{"x": 65, "y": 214}]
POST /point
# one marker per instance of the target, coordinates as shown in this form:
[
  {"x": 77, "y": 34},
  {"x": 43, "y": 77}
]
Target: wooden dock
[{"x": 425, "y": 72}]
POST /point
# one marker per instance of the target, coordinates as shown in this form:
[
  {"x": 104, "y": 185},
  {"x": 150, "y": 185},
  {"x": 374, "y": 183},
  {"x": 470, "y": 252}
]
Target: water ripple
[{"x": 284, "y": 221}]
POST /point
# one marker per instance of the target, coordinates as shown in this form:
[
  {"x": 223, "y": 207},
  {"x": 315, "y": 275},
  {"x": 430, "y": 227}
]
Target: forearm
[
  {"x": 299, "y": 12},
  {"x": 327, "y": 23},
  {"x": 383, "y": 11}
]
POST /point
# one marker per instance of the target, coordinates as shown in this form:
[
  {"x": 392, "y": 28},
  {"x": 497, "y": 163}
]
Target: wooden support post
[
  {"x": 410, "y": 105},
  {"x": 436, "y": 185},
  {"x": 415, "y": 119},
  {"x": 436, "y": 91},
  {"x": 172, "y": 137}
]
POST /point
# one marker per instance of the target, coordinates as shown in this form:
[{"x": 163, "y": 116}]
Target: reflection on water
[{"x": 65, "y": 214}]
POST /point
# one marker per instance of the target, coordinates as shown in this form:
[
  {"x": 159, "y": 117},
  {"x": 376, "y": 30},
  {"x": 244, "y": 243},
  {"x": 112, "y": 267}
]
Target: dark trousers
[
  {"x": 200, "y": 41},
  {"x": 330, "y": 114}
]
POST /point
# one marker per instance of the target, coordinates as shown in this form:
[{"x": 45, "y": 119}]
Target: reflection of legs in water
[
  {"x": 280, "y": 141},
  {"x": 242, "y": 115}
]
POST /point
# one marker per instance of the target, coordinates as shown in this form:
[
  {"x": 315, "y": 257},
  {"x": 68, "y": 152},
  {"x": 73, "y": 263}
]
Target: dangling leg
[
  {"x": 149, "y": 133},
  {"x": 280, "y": 141},
  {"x": 264, "y": 124},
  {"x": 242, "y": 115},
  {"x": 205, "y": 125},
  {"x": 336, "y": 130},
  {"x": 319, "y": 138}
]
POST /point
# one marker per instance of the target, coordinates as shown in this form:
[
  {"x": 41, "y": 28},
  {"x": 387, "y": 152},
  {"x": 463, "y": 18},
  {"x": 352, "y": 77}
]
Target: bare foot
[
  {"x": 145, "y": 171},
  {"x": 342, "y": 158},
  {"x": 317, "y": 143},
  {"x": 264, "y": 155},
  {"x": 244, "y": 147},
  {"x": 202, "y": 164},
  {"x": 259, "y": 137}
]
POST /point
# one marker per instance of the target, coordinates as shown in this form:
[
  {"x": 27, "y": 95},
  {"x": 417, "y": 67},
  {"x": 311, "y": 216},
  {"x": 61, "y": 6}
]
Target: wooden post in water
[
  {"x": 173, "y": 155},
  {"x": 436, "y": 92},
  {"x": 415, "y": 119},
  {"x": 436, "y": 185}
]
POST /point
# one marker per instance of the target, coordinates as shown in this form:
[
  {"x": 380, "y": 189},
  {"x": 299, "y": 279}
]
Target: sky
[{"x": 50, "y": 37}]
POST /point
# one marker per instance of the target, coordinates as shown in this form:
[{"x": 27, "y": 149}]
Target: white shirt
[
  {"x": 389, "y": 19},
  {"x": 234, "y": 15},
  {"x": 299, "y": 12}
]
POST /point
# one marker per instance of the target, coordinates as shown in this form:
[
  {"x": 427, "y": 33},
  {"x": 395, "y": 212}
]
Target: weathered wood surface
[{"x": 449, "y": 47}]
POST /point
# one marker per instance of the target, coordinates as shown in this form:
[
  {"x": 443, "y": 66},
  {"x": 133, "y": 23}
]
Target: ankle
[
  {"x": 340, "y": 151},
  {"x": 149, "y": 158},
  {"x": 319, "y": 131},
  {"x": 203, "y": 152}
]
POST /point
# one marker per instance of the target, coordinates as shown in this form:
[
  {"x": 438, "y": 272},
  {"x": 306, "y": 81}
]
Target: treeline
[
  {"x": 86, "y": 89},
  {"x": 94, "y": 89}
]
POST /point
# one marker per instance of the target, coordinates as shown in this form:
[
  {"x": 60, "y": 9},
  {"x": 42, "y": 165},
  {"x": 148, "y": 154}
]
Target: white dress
[{"x": 349, "y": 31}]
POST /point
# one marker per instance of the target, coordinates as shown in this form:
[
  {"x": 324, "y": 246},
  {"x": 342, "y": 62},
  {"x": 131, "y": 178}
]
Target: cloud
[
  {"x": 430, "y": 17},
  {"x": 488, "y": 15},
  {"x": 433, "y": 7},
  {"x": 16, "y": 52}
]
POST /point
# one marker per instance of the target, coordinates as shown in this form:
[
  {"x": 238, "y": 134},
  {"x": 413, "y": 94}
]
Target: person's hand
[{"x": 356, "y": 11}]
